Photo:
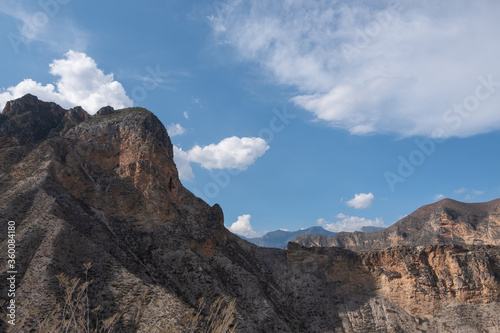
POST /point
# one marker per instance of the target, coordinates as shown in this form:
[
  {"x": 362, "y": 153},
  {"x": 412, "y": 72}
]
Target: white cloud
[
  {"x": 438, "y": 197},
  {"x": 243, "y": 227},
  {"x": 40, "y": 21},
  {"x": 373, "y": 67},
  {"x": 361, "y": 201},
  {"x": 349, "y": 223},
  {"x": 80, "y": 82},
  {"x": 196, "y": 101},
  {"x": 473, "y": 194},
  {"x": 477, "y": 192},
  {"x": 32, "y": 24},
  {"x": 175, "y": 129},
  {"x": 469, "y": 194},
  {"x": 186, "y": 115},
  {"x": 181, "y": 159},
  {"x": 230, "y": 153},
  {"x": 218, "y": 27}
]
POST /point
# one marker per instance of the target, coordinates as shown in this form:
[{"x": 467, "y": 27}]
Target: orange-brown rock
[
  {"x": 425, "y": 280},
  {"x": 409, "y": 288}
]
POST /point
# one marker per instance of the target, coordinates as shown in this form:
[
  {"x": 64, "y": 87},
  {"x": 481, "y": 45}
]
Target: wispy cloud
[
  {"x": 474, "y": 194},
  {"x": 459, "y": 191},
  {"x": 80, "y": 82},
  {"x": 468, "y": 194},
  {"x": 438, "y": 197},
  {"x": 42, "y": 21},
  {"x": 411, "y": 63}
]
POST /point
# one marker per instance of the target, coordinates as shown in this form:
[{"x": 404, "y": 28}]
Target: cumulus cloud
[
  {"x": 230, "y": 153},
  {"x": 349, "y": 223},
  {"x": 361, "y": 200},
  {"x": 80, "y": 82},
  {"x": 243, "y": 227},
  {"x": 377, "y": 67},
  {"x": 459, "y": 191},
  {"x": 175, "y": 129},
  {"x": 181, "y": 159}
]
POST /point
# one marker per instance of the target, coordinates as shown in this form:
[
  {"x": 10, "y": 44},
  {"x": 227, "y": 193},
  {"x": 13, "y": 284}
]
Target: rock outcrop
[{"x": 105, "y": 189}]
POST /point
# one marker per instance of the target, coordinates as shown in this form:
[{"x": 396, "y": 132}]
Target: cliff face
[
  {"x": 439, "y": 288},
  {"x": 104, "y": 189},
  {"x": 444, "y": 222},
  {"x": 424, "y": 280}
]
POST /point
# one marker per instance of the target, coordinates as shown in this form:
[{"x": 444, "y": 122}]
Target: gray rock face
[{"x": 104, "y": 189}]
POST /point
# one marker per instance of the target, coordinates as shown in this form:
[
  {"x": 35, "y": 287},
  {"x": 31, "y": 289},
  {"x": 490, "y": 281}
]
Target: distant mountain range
[
  {"x": 444, "y": 222},
  {"x": 280, "y": 238}
]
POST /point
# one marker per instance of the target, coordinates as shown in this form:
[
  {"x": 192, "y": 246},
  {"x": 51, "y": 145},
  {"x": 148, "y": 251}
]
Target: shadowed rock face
[
  {"x": 444, "y": 222},
  {"x": 105, "y": 189}
]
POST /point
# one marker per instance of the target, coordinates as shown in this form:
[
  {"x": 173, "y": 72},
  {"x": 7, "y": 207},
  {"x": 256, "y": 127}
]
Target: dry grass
[
  {"x": 74, "y": 313},
  {"x": 221, "y": 317}
]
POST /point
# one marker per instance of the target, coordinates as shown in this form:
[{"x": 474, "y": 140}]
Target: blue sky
[{"x": 289, "y": 114}]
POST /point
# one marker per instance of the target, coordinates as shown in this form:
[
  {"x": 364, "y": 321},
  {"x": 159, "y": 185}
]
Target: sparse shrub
[{"x": 74, "y": 313}]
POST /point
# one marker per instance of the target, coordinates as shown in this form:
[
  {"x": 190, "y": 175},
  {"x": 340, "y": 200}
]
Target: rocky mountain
[
  {"x": 444, "y": 222},
  {"x": 280, "y": 238},
  {"x": 370, "y": 229},
  {"x": 105, "y": 189}
]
